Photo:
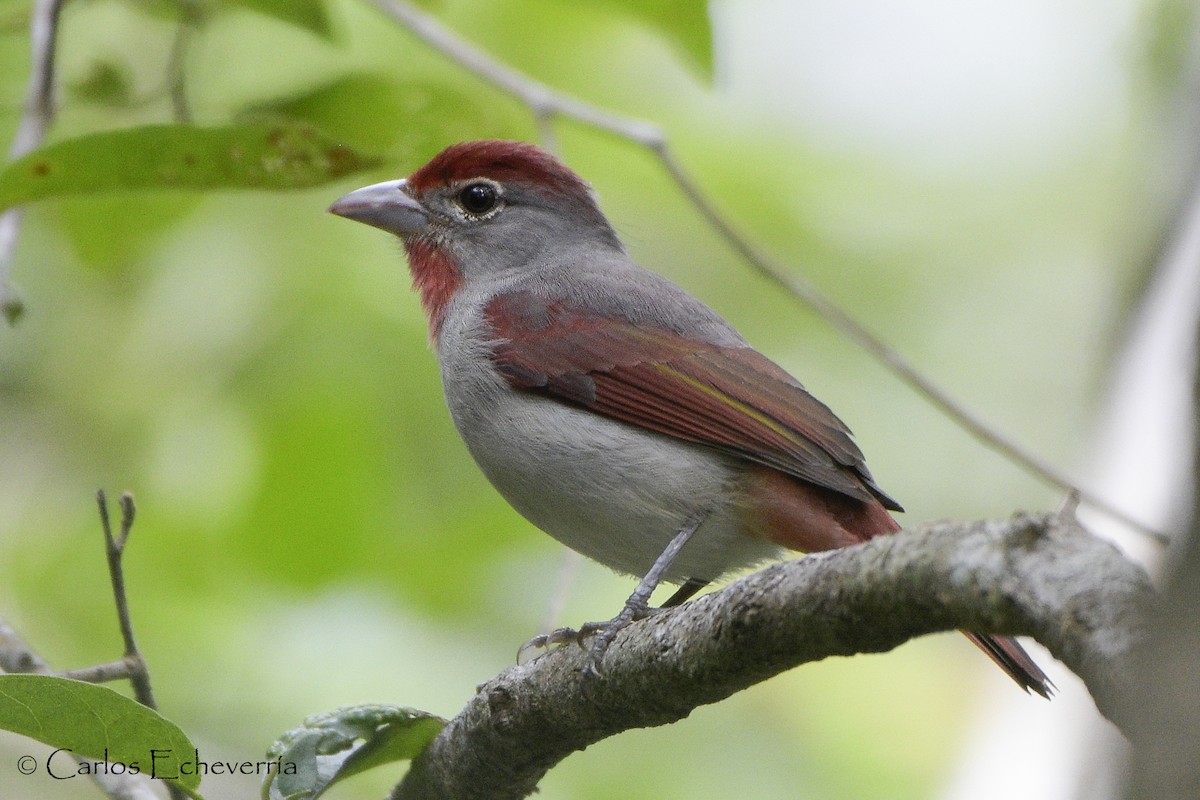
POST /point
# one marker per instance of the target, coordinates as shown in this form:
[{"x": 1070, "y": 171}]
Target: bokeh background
[{"x": 985, "y": 185}]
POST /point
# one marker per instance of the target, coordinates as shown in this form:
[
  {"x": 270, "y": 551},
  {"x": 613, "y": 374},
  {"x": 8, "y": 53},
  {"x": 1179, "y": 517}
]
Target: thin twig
[
  {"x": 35, "y": 122},
  {"x": 546, "y": 103},
  {"x": 135, "y": 664},
  {"x": 102, "y": 673},
  {"x": 542, "y": 100},
  {"x": 114, "y": 549}
]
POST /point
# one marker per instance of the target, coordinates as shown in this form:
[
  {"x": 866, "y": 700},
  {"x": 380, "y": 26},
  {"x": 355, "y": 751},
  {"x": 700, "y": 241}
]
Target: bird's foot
[
  {"x": 555, "y": 639},
  {"x": 636, "y": 607},
  {"x": 601, "y": 633},
  {"x": 604, "y": 632}
]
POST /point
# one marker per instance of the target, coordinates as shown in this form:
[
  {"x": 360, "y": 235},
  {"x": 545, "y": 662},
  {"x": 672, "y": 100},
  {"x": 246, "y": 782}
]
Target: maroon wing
[{"x": 729, "y": 398}]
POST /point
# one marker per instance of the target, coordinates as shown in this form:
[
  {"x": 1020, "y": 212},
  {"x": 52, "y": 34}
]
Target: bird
[{"x": 611, "y": 408}]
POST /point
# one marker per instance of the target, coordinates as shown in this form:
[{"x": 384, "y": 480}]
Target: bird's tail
[
  {"x": 1012, "y": 658},
  {"x": 809, "y": 518}
]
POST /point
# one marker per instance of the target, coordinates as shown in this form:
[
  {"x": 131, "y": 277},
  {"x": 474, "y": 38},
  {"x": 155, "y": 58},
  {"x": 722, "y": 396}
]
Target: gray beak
[{"x": 387, "y": 206}]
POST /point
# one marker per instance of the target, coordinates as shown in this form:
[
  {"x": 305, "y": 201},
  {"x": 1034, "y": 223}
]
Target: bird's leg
[
  {"x": 685, "y": 592},
  {"x": 636, "y": 607}
]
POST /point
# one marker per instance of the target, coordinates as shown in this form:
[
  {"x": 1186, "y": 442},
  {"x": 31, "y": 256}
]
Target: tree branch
[{"x": 1039, "y": 575}]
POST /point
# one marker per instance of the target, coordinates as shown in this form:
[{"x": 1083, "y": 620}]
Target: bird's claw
[
  {"x": 602, "y": 634},
  {"x": 554, "y": 639}
]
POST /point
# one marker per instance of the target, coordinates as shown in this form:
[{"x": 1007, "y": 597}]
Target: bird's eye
[{"x": 478, "y": 198}]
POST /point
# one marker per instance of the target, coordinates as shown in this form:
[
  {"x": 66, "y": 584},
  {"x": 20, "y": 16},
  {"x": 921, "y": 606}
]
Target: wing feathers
[{"x": 729, "y": 398}]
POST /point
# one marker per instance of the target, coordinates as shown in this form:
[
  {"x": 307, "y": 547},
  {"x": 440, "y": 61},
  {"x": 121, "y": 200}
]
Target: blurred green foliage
[{"x": 311, "y": 531}]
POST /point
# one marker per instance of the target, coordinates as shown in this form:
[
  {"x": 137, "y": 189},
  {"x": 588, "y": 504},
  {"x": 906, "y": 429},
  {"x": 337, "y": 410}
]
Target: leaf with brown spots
[{"x": 252, "y": 156}]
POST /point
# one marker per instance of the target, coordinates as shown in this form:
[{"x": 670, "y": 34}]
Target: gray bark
[{"x": 1038, "y": 575}]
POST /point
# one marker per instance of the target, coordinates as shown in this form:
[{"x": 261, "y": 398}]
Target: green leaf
[
  {"x": 107, "y": 83},
  {"x": 308, "y": 14},
  {"x": 98, "y": 723},
  {"x": 332, "y": 746},
  {"x": 378, "y": 114},
  {"x": 180, "y": 157},
  {"x": 683, "y": 23}
]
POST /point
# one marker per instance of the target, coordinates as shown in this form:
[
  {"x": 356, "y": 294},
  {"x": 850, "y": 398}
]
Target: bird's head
[{"x": 480, "y": 209}]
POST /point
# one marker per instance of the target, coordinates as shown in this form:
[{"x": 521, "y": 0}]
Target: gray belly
[{"x": 615, "y": 493}]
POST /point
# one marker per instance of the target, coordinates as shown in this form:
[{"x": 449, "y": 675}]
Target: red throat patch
[{"x": 435, "y": 277}]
